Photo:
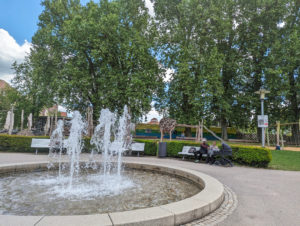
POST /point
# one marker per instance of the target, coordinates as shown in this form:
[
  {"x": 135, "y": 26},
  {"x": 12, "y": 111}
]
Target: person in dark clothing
[
  {"x": 203, "y": 150},
  {"x": 226, "y": 148}
]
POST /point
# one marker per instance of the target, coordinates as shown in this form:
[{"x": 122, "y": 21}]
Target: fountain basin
[{"x": 176, "y": 213}]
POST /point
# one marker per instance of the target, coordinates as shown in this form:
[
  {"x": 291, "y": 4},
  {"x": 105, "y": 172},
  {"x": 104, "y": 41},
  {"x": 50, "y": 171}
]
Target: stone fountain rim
[{"x": 175, "y": 213}]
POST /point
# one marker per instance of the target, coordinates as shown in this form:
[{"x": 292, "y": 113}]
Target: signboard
[{"x": 262, "y": 121}]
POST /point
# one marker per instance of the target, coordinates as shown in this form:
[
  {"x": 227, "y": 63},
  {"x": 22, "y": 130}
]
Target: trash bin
[{"x": 162, "y": 149}]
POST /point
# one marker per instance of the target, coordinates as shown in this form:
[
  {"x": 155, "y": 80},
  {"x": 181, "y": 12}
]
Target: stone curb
[{"x": 176, "y": 213}]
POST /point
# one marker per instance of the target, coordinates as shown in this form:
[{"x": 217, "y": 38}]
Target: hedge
[
  {"x": 244, "y": 155},
  {"x": 251, "y": 155},
  {"x": 16, "y": 143}
]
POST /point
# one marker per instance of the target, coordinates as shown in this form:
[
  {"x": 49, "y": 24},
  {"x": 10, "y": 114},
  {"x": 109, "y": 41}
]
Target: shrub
[
  {"x": 151, "y": 146},
  {"x": 244, "y": 155},
  {"x": 173, "y": 147},
  {"x": 251, "y": 155},
  {"x": 16, "y": 143}
]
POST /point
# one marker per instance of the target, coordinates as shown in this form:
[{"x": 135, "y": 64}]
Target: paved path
[{"x": 265, "y": 197}]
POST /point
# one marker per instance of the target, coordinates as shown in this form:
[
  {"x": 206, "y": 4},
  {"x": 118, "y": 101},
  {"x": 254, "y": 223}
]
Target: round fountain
[{"x": 101, "y": 189}]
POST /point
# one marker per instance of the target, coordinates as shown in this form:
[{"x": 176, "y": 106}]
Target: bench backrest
[
  {"x": 186, "y": 149},
  {"x": 40, "y": 143},
  {"x": 137, "y": 146}
]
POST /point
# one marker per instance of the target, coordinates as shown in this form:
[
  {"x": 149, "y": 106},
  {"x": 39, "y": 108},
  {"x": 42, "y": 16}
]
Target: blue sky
[
  {"x": 20, "y": 18},
  {"x": 18, "y": 23}
]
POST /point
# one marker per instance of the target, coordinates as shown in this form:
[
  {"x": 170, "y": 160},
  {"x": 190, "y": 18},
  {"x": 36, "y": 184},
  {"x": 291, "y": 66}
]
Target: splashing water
[
  {"x": 74, "y": 145},
  {"x": 102, "y": 136},
  {"x": 111, "y": 138},
  {"x": 122, "y": 138},
  {"x": 56, "y": 144}
]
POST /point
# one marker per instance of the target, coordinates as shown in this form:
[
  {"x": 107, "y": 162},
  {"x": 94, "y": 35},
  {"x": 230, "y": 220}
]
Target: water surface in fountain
[
  {"x": 40, "y": 193},
  {"x": 86, "y": 189}
]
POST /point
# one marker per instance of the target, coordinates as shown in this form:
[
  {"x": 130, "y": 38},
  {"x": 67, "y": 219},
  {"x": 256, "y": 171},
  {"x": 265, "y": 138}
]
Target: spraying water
[
  {"x": 74, "y": 144},
  {"x": 122, "y": 138},
  {"x": 56, "y": 144},
  {"x": 102, "y": 136},
  {"x": 111, "y": 138}
]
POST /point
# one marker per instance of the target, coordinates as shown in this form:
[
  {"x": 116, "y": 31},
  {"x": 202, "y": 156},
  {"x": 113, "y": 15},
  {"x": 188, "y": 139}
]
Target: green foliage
[
  {"x": 15, "y": 143},
  {"x": 244, "y": 155},
  {"x": 98, "y": 53},
  {"x": 251, "y": 156},
  {"x": 150, "y": 146},
  {"x": 224, "y": 51},
  {"x": 173, "y": 147},
  {"x": 19, "y": 101}
]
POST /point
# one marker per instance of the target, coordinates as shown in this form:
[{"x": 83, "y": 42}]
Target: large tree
[
  {"x": 98, "y": 54},
  {"x": 220, "y": 51},
  {"x": 283, "y": 78},
  {"x": 199, "y": 40}
]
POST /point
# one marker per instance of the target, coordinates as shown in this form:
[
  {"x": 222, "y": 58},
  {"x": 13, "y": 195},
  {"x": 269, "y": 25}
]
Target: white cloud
[
  {"x": 149, "y": 5},
  {"x": 10, "y": 51}
]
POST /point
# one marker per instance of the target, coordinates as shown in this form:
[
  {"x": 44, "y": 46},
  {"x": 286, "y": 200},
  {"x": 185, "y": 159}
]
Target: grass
[{"x": 285, "y": 160}]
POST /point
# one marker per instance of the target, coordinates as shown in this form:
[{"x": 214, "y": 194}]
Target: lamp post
[{"x": 262, "y": 92}]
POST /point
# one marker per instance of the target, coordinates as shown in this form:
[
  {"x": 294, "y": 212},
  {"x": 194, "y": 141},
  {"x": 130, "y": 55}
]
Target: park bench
[
  {"x": 40, "y": 143},
  {"x": 185, "y": 151},
  {"x": 137, "y": 147}
]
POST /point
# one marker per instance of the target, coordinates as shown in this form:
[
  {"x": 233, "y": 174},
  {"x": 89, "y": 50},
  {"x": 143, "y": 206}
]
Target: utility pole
[{"x": 262, "y": 119}]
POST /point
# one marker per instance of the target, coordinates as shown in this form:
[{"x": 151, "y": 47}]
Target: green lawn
[{"x": 285, "y": 160}]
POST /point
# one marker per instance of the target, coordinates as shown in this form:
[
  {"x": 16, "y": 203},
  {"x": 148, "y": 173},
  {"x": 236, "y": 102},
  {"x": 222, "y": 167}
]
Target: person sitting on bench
[
  {"x": 203, "y": 150},
  {"x": 212, "y": 151}
]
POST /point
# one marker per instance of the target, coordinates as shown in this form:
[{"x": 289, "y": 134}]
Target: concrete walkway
[{"x": 266, "y": 197}]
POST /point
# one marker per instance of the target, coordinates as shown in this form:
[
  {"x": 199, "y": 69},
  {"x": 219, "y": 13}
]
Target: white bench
[
  {"x": 137, "y": 147},
  {"x": 43, "y": 143},
  {"x": 185, "y": 151},
  {"x": 40, "y": 143}
]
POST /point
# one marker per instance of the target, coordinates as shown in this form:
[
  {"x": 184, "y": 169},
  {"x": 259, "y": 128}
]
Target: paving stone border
[
  {"x": 229, "y": 204},
  {"x": 176, "y": 213}
]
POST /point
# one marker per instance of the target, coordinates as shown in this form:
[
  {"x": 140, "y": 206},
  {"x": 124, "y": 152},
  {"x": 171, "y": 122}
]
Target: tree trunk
[
  {"x": 224, "y": 129},
  {"x": 188, "y": 132},
  {"x": 294, "y": 108},
  {"x": 295, "y": 134}
]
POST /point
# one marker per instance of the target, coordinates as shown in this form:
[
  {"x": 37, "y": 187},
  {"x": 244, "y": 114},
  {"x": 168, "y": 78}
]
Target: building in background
[
  {"x": 154, "y": 121},
  {"x": 3, "y": 86},
  {"x": 52, "y": 111}
]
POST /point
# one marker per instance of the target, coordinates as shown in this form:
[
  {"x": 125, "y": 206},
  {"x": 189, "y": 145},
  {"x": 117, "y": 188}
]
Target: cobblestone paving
[{"x": 228, "y": 206}]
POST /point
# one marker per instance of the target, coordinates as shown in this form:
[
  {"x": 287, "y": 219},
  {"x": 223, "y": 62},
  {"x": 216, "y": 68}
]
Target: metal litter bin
[{"x": 162, "y": 149}]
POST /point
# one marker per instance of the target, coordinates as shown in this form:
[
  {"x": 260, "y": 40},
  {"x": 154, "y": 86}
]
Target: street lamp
[{"x": 262, "y": 92}]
